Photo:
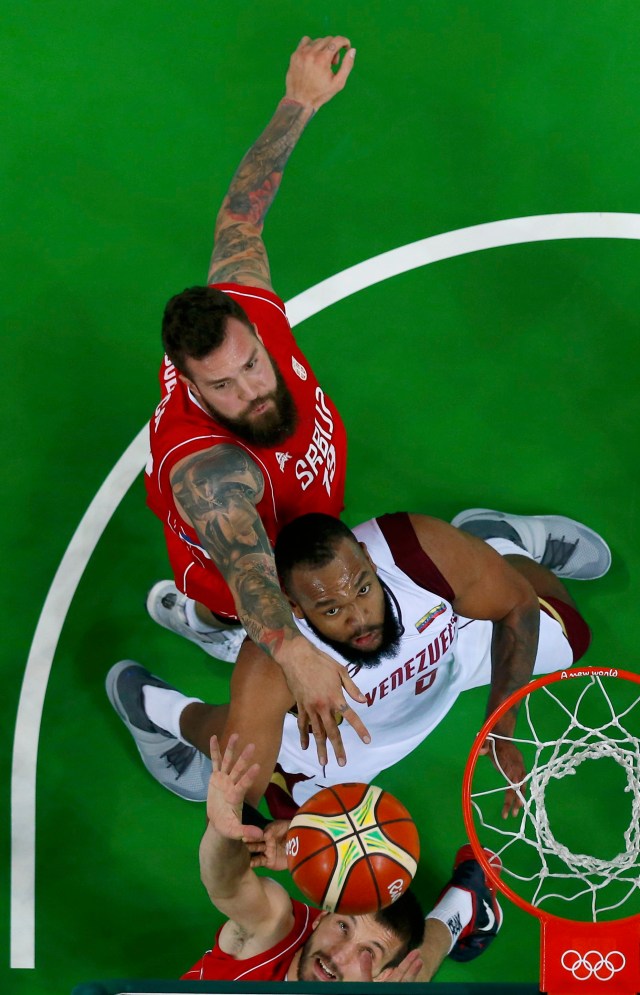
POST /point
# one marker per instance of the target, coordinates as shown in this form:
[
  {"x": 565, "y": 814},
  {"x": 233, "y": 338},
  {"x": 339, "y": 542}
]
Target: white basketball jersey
[{"x": 408, "y": 694}]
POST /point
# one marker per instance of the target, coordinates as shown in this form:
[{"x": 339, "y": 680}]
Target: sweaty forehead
[
  {"x": 238, "y": 339},
  {"x": 309, "y": 583}
]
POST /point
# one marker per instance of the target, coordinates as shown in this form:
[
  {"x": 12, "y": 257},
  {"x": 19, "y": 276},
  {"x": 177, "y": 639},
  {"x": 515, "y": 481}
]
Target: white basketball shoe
[
  {"x": 166, "y": 605},
  {"x": 174, "y": 764},
  {"x": 566, "y": 547}
]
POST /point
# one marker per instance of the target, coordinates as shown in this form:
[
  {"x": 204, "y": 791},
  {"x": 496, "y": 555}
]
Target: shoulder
[
  {"x": 274, "y": 922},
  {"x": 224, "y": 462},
  {"x": 417, "y": 545},
  {"x": 257, "y": 302}
]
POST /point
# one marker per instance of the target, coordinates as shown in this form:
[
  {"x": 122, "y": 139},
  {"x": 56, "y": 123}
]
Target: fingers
[
  {"x": 331, "y": 43},
  {"x": 351, "y": 717},
  {"x": 343, "y": 72},
  {"x": 488, "y": 747},
  {"x": 328, "y": 52},
  {"x": 352, "y": 689},
  {"x": 323, "y": 727},
  {"x": 319, "y": 733},
  {"x": 408, "y": 969},
  {"x": 214, "y": 753},
  {"x": 257, "y": 845},
  {"x": 321, "y": 706},
  {"x": 356, "y": 724},
  {"x": 240, "y": 770},
  {"x": 366, "y": 965},
  {"x": 232, "y": 766},
  {"x": 303, "y": 727},
  {"x": 332, "y": 731},
  {"x": 251, "y": 835},
  {"x": 513, "y": 802}
]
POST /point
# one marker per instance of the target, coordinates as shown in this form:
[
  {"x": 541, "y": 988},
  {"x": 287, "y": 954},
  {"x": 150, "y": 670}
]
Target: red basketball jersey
[
  {"x": 305, "y": 473},
  {"x": 272, "y": 965}
]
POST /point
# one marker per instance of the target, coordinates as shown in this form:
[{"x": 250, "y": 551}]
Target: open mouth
[{"x": 322, "y": 971}]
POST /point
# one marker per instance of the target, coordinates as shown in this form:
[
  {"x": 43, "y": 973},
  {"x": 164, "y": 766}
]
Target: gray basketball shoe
[
  {"x": 180, "y": 768},
  {"x": 566, "y": 547},
  {"x": 166, "y": 605}
]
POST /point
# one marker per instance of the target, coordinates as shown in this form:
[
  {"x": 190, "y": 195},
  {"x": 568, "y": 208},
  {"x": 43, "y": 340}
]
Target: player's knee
[{"x": 576, "y": 629}]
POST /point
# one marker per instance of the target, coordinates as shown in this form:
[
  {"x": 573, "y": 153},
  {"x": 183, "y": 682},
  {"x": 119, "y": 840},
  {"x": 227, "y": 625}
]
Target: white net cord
[{"x": 554, "y": 759}]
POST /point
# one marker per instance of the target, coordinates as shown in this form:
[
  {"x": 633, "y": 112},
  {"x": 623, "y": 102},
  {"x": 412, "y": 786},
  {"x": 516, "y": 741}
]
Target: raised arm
[
  {"x": 217, "y": 491},
  {"x": 487, "y": 587},
  {"x": 314, "y": 77},
  {"x": 258, "y": 909}
]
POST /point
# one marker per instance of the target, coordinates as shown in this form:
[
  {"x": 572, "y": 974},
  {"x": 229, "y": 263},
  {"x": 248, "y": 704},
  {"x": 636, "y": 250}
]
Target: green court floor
[{"x": 501, "y": 377}]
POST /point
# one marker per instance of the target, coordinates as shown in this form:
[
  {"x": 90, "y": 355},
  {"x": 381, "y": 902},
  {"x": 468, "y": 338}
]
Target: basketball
[{"x": 352, "y": 848}]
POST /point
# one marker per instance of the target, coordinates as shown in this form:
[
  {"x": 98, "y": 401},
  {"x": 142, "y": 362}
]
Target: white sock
[
  {"x": 193, "y": 619},
  {"x": 164, "y": 707},
  {"x": 454, "y": 909}
]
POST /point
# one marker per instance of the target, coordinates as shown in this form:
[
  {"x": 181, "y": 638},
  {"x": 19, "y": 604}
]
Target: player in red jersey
[
  {"x": 245, "y": 438},
  {"x": 270, "y": 937}
]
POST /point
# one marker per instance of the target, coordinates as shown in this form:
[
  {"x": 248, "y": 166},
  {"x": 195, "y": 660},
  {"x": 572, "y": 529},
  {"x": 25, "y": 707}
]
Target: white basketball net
[{"x": 580, "y": 873}]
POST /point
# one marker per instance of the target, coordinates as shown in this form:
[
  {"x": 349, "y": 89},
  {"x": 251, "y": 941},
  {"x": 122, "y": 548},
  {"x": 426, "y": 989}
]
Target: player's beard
[
  {"x": 307, "y": 956},
  {"x": 392, "y": 632},
  {"x": 271, "y": 428}
]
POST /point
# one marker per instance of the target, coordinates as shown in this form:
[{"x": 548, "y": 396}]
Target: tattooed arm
[
  {"x": 217, "y": 491},
  {"x": 486, "y": 586},
  {"x": 239, "y": 255}
]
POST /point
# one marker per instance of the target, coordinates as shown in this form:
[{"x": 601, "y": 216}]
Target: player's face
[
  {"x": 343, "y": 600},
  {"x": 241, "y": 387},
  {"x": 347, "y": 948}
]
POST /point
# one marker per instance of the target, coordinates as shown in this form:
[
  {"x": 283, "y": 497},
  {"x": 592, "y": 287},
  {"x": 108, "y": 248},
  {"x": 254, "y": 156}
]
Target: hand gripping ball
[{"x": 352, "y": 848}]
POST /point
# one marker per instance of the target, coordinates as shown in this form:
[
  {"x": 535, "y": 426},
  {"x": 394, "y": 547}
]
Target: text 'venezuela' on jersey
[{"x": 440, "y": 655}]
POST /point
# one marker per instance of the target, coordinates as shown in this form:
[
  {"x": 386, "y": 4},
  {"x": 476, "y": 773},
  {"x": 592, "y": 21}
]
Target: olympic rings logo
[{"x": 593, "y": 964}]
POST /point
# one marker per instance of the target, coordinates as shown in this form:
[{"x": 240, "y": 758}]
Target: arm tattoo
[
  {"x": 218, "y": 490},
  {"x": 239, "y": 257},
  {"x": 251, "y": 194},
  {"x": 513, "y": 652}
]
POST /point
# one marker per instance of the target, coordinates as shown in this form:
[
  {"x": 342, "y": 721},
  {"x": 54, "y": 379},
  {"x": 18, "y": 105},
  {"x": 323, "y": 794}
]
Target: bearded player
[
  {"x": 269, "y": 936},
  {"x": 245, "y": 438},
  {"x": 420, "y": 611}
]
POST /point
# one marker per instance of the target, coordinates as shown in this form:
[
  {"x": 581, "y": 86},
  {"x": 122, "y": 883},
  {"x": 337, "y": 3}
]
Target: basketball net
[{"x": 576, "y": 956}]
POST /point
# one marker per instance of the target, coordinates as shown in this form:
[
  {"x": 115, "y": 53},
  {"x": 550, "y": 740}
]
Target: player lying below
[
  {"x": 418, "y": 609},
  {"x": 271, "y": 937}
]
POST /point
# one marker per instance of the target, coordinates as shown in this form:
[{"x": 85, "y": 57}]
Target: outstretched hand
[
  {"x": 318, "y": 684},
  {"x": 230, "y": 780},
  {"x": 311, "y": 79}
]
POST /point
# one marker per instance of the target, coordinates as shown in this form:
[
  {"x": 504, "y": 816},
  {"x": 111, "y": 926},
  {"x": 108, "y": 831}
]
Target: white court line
[{"x": 512, "y": 231}]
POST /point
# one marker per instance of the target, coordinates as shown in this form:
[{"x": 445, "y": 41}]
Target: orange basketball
[{"x": 353, "y": 848}]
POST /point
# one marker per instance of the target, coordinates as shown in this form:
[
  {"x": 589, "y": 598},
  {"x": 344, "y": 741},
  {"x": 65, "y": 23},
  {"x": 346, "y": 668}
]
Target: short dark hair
[
  {"x": 195, "y": 322},
  {"x": 405, "y": 918},
  {"x": 311, "y": 539}
]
